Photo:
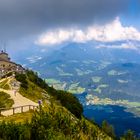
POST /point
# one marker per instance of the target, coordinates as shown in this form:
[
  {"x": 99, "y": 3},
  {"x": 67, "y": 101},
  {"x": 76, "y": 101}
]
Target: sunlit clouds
[{"x": 113, "y": 31}]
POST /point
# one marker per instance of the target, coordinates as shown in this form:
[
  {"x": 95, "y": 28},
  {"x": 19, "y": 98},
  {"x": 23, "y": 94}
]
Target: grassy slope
[
  {"x": 18, "y": 118},
  {"x": 62, "y": 121},
  {"x": 5, "y": 101},
  {"x": 33, "y": 92},
  {"x": 60, "y": 117},
  {"x": 4, "y": 84}
]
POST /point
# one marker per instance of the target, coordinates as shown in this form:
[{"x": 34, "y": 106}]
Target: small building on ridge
[{"x": 7, "y": 66}]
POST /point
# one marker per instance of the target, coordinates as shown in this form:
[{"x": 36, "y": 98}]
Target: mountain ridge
[{"x": 55, "y": 106}]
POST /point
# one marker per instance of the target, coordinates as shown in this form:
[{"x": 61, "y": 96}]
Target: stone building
[{"x": 6, "y": 65}]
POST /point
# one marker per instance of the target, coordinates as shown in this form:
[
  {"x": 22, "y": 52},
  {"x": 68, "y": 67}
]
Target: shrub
[
  {"x": 5, "y": 101},
  {"x": 129, "y": 135},
  {"x": 22, "y": 79},
  {"x": 108, "y": 129}
]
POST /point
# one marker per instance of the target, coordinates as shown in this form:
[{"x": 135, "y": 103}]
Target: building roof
[
  {"x": 2, "y": 52},
  {"x": 8, "y": 60}
]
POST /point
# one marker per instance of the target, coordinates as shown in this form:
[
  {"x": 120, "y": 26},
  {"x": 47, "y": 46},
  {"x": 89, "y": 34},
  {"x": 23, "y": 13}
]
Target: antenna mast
[{"x": 4, "y": 47}]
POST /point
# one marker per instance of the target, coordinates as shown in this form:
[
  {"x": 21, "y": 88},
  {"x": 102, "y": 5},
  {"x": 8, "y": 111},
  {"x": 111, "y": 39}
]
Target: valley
[{"x": 107, "y": 76}]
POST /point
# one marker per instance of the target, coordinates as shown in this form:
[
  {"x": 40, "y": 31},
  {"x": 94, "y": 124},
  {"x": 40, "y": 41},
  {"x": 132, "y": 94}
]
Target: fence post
[
  {"x": 29, "y": 107},
  {"x": 13, "y": 111},
  {"x": 21, "y": 109}
]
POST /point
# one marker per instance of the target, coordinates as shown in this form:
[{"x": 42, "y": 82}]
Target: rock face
[{"x": 6, "y": 65}]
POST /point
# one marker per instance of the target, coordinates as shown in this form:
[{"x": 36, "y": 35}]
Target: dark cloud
[{"x": 27, "y": 17}]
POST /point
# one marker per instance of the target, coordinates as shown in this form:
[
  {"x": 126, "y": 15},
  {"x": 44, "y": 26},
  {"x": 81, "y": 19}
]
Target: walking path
[{"x": 19, "y": 100}]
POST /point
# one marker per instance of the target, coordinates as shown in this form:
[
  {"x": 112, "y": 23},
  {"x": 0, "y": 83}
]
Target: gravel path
[{"x": 19, "y": 100}]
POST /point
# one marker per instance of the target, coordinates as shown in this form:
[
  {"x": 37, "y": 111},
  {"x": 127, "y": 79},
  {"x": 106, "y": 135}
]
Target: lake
[{"x": 115, "y": 115}]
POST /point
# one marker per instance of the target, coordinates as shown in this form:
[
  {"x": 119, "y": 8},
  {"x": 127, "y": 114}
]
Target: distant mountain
[
  {"x": 81, "y": 63},
  {"x": 110, "y": 75}
]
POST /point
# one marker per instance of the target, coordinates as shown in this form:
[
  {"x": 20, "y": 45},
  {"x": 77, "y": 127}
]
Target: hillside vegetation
[
  {"x": 5, "y": 100},
  {"x": 4, "y": 84},
  {"x": 60, "y": 117},
  {"x": 52, "y": 123},
  {"x": 32, "y": 86}
]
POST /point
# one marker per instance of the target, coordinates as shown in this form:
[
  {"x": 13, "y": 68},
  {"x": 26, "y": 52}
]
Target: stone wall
[{"x": 6, "y": 67}]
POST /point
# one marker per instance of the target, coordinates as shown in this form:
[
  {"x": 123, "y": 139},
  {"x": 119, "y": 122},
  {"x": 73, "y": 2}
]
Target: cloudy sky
[{"x": 54, "y": 22}]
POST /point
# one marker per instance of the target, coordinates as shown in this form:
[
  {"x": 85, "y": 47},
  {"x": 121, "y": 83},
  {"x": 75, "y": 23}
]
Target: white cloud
[
  {"x": 113, "y": 31},
  {"x": 127, "y": 45},
  {"x": 34, "y": 59}
]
